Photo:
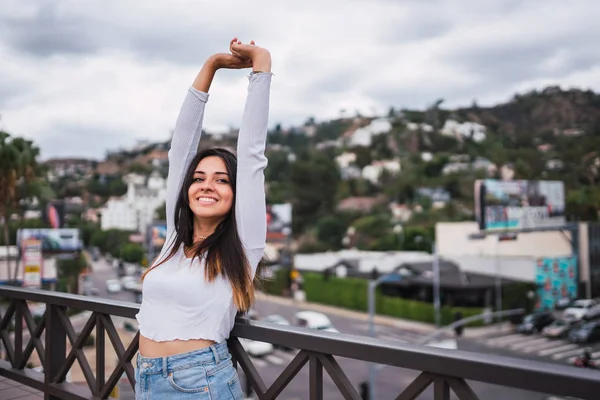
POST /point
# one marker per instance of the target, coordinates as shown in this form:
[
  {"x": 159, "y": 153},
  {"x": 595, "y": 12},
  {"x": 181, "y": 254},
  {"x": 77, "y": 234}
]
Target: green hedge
[{"x": 351, "y": 293}]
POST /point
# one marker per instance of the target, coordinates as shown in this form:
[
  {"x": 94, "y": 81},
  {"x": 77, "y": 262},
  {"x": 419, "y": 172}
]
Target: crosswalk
[
  {"x": 540, "y": 346},
  {"x": 277, "y": 357},
  {"x": 284, "y": 357}
]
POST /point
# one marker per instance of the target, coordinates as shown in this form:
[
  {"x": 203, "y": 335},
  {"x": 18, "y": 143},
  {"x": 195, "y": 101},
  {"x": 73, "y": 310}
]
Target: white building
[
  {"x": 465, "y": 130},
  {"x": 373, "y": 171},
  {"x": 364, "y": 136},
  {"x": 135, "y": 210},
  {"x": 413, "y": 126},
  {"x": 345, "y": 159}
]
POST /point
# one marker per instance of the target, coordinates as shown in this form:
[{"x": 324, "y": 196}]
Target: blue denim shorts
[{"x": 200, "y": 374}]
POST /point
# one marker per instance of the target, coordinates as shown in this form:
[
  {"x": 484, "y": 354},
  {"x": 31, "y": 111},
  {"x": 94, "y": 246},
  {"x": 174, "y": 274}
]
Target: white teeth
[{"x": 206, "y": 200}]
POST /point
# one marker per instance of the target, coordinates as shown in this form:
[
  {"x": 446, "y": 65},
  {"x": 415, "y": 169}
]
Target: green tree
[
  {"x": 132, "y": 252},
  {"x": 331, "y": 230},
  {"x": 314, "y": 183}
]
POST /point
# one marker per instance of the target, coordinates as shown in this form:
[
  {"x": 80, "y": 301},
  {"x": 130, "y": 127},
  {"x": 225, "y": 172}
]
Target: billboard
[
  {"x": 32, "y": 260},
  {"x": 519, "y": 204},
  {"x": 279, "y": 221},
  {"x": 157, "y": 234},
  {"x": 64, "y": 240},
  {"x": 556, "y": 278}
]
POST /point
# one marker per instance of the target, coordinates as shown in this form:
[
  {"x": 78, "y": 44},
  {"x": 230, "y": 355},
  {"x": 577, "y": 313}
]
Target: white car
[
  {"x": 129, "y": 282},
  {"x": 113, "y": 285},
  {"x": 313, "y": 320},
  {"x": 276, "y": 319},
  {"x": 583, "y": 308},
  {"x": 255, "y": 348}
]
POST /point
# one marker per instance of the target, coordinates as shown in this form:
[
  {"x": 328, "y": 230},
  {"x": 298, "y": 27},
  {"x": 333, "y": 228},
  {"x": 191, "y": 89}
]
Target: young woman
[{"x": 216, "y": 232}]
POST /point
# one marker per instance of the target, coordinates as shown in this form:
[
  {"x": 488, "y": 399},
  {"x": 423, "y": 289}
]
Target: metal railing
[{"x": 446, "y": 370}]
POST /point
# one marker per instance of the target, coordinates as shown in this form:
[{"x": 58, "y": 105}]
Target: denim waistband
[{"x": 163, "y": 365}]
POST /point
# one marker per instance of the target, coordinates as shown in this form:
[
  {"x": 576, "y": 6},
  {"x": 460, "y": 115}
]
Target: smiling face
[{"x": 210, "y": 195}]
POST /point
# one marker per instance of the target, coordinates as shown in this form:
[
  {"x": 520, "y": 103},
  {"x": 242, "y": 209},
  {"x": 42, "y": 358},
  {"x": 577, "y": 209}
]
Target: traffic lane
[
  {"x": 390, "y": 380},
  {"x": 477, "y": 347},
  {"x": 341, "y": 323},
  {"x": 101, "y": 272}
]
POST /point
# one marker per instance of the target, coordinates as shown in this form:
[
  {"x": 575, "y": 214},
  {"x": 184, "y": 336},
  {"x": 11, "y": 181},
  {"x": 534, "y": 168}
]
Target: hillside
[
  {"x": 551, "y": 110},
  {"x": 550, "y": 134}
]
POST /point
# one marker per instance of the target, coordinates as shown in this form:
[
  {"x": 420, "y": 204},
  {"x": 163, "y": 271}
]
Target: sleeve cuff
[{"x": 202, "y": 96}]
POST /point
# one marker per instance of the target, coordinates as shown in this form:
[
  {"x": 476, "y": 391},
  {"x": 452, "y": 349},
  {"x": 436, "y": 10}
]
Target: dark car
[
  {"x": 560, "y": 328},
  {"x": 588, "y": 332},
  {"x": 535, "y": 322}
]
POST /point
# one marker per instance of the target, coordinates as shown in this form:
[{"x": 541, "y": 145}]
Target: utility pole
[{"x": 436, "y": 284}]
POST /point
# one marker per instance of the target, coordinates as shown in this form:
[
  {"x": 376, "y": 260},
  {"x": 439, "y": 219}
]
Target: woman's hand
[
  {"x": 230, "y": 61},
  {"x": 259, "y": 57}
]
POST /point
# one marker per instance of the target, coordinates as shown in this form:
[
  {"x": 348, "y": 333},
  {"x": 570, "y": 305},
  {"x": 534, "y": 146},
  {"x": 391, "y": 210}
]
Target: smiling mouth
[{"x": 206, "y": 200}]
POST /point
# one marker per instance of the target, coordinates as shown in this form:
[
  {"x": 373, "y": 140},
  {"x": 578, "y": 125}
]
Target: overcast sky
[{"x": 81, "y": 77}]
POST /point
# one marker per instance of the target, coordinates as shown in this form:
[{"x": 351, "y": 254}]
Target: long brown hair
[{"x": 223, "y": 250}]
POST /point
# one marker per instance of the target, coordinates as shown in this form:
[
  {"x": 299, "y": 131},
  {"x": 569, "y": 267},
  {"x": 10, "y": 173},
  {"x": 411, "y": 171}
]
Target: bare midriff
[{"x": 150, "y": 348}]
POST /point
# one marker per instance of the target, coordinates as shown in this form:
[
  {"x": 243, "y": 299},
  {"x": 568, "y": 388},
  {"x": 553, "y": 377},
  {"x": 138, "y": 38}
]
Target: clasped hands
[{"x": 243, "y": 56}]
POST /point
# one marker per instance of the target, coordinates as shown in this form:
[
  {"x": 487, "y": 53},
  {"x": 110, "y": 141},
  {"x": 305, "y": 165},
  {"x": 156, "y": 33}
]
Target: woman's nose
[{"x": 207, "y": 185}]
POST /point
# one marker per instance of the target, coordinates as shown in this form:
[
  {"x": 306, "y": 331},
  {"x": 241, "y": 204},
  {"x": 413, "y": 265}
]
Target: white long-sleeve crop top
[{"x": 178, "y": 303}]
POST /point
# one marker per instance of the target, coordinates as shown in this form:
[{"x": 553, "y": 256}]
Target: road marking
[
  {"x": 527, "y": 343},
  {"x": 392, "y": 338},
  {"x": 566, "y": 354},
  {"x": 273, "y": 359},
  {"x": 500, "y": 339},
  {"x": 551, "y": 343},
  {"x": 557, "y": 349},
  {"x": 289, "y": 356},
  {"x": 507, "y": 341},
  {"x": 259, "y": 362}
]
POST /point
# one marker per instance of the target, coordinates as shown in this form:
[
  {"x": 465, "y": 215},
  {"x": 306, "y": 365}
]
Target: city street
[{"x": 390, "y": 381}]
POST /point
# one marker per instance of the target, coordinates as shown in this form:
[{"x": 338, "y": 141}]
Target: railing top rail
[
  {"x": 494, "y": 369},
  {"x": 96, "y": 304}
]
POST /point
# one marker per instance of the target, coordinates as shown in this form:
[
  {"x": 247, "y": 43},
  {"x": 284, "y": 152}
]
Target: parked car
[
  {"x": 535, "y": 322},
  {"x": 560, "y": 328},
  {"x": 256, "y": 348},
  {"x": 113, "y": 285},
  {"x": 588, "y": 332},
  {"x": 313, "y": 320},
  {"x": 583, "y": 309},
  {"x": 276, "y": 319},
  {"x": 280, "y": 320},
  {"x": 129, "y": 282}
]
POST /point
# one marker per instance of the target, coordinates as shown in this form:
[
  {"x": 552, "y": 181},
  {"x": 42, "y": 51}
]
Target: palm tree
[
  {"x": 18, "y": 181},
  {"x": 8, "y": 183}
]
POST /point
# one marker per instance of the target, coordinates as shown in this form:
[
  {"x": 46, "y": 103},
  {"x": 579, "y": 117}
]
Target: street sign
[{"x": 32, "y": 263}]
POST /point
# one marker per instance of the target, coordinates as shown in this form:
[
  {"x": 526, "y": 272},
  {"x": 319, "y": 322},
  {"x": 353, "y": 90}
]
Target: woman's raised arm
[
  {"x": 188, "y": 129},
  {"x": 250, "y": 204}
]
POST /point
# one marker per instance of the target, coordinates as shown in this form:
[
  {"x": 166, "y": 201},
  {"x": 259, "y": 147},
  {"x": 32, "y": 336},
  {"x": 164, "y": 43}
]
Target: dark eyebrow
[{"x": 216, "y": 173}]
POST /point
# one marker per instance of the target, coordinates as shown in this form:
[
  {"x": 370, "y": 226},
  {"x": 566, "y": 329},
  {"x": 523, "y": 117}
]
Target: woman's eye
[
  {"x": 223, "y": 181},
  {"x": 198, "y": 180}
]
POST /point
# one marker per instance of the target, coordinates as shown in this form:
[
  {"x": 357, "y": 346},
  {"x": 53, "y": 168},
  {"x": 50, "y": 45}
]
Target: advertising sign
[
  {"x": 513, "y": 205},
  {"x": 158, "y": 235},
  {"x": 32, "y": 260},
  {"x": 64, "y": 240},
  {"x": 279, "y": 221},
  {"x": 556, "y": 278}
]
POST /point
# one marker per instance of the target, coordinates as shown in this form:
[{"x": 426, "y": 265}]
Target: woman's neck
[{"x": 203, "y": 229}]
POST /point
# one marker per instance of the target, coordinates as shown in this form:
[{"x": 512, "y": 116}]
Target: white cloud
[{"x": 115, "y": 71}]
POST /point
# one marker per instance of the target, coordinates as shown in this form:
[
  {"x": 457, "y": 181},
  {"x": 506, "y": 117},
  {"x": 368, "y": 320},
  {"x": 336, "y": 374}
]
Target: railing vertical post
[
  {"x": 19, "y": 332},
  {"x": 100, "y": 354},
  {"x": 316, "y": 377},
  {"x": 372, "y": 286},
  {"x": 441, "y": 389},
  {"x": 56, "y": 347}
]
